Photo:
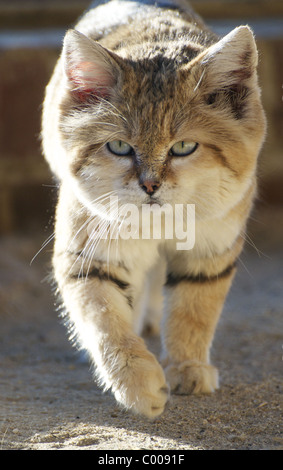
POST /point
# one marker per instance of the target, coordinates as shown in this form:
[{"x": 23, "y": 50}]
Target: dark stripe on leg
[
  {"x": 174, "y": 279},
  {"x": 98, "y": 273},
  {"x": 102, "y": 276}
]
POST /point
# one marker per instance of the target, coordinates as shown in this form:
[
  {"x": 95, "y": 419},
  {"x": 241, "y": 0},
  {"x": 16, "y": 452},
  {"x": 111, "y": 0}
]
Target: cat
[{"x": 147, "y": 105}]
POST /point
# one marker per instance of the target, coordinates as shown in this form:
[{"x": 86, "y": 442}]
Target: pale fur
[{"x": 151, "y": 76}]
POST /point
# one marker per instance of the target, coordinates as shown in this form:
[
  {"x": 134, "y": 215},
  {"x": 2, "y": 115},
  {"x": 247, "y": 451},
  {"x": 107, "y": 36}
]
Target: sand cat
[{"x": 148, "y": 110}]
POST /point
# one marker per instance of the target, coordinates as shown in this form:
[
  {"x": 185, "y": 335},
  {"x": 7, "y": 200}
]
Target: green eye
[
  {"x": 119, "y": 147},
  {"x": 183, "y": 148}
]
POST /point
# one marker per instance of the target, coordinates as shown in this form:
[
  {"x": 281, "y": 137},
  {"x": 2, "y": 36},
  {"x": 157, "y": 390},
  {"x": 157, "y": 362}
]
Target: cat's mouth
[{"x": 153, "y": 200}]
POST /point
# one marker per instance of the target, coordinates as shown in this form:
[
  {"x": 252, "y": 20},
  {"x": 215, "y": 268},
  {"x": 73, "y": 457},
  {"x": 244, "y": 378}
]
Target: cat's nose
[{"x": 149, "y": 186}]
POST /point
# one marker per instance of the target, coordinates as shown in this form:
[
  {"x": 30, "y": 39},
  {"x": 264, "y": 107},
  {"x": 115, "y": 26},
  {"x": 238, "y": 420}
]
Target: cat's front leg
[
  {"x": 194, "y": 305},
  {"x": 100, "y": 309}
]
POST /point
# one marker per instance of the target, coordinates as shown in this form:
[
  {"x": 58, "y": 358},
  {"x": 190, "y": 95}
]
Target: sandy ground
[{"x": 48, "y": 399}]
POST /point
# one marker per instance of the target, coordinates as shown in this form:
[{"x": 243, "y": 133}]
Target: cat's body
[{"x": 160, "y": 110}]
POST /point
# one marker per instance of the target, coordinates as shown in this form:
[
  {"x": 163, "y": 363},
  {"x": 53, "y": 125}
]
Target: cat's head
[{"x": 173, "y": 124}]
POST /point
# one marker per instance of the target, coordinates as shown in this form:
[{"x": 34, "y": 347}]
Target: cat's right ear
[{"x": 90, "y": 69}]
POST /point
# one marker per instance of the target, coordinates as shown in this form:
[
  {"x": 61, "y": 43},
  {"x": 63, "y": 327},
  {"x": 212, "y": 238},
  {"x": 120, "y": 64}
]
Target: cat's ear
[
  {"x": 232, "y": 60},
  {"x": 91, "y": 70}
]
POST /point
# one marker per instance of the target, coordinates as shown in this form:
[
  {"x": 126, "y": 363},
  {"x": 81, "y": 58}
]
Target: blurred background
[{"x": 31, "y": 33}]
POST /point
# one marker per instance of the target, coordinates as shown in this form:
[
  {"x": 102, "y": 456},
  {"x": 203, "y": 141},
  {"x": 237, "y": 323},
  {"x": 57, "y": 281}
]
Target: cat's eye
[
  {"x": 120, "y": 148},
  {"x": 183, "y": 148}
]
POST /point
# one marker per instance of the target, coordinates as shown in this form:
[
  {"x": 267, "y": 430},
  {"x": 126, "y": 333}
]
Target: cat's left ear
[
  {"x": 90, "y": 69},
  {"x": 232, "y": 60}
]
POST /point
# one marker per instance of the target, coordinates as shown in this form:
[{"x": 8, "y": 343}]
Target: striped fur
[{"x": 150, "y": 74}]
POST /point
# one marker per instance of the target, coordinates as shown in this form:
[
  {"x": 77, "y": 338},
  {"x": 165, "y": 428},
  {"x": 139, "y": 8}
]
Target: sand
[{"x": 49, "y": 401}]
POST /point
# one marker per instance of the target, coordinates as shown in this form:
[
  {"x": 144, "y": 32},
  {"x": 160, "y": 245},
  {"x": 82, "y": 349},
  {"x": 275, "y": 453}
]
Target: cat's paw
[
  {"x": 141, "y": 387},
  {"x": 192, "y": 377}
]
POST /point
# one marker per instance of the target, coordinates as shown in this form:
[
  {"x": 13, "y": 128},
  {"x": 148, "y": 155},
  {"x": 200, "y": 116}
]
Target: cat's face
[{"x": 172, "y": 131}]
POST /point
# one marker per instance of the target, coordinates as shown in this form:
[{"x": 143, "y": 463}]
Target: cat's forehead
[
  {"x": 150, "y": 108},
  {"x": 155, "y": 71},
  {"x": 154, "y": 97},
  {"x": 167, "y": 56}
]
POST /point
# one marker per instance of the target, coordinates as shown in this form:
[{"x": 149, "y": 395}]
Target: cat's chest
[{"x": 215, "y": 236}]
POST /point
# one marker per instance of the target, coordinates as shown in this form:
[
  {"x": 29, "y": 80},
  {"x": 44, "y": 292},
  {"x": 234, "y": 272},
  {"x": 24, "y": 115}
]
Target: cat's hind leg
[{"x": 153, "y": 298}]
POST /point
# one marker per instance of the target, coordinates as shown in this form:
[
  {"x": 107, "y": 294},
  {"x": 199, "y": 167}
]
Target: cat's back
[
  {"x": 105, "y": 16},
  {"x": 119, "y": 24}
]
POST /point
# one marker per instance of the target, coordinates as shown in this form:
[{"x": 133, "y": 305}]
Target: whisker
[
  {"x": 88, "y": 252},
  {"x": 93, "y": 245},
  {"x": 199, "y": 82},
  {"x": 47, "y": 241},
  {"x": 84, "y": 253}
]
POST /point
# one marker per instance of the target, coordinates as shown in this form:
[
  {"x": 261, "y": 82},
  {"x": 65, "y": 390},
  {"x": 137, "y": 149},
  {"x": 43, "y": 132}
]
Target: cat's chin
[
  {"x": 150, "y": 201},
  {"x": 140, "y": 202}
]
